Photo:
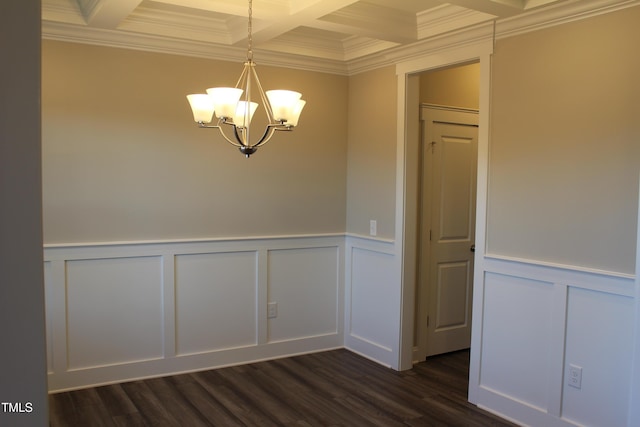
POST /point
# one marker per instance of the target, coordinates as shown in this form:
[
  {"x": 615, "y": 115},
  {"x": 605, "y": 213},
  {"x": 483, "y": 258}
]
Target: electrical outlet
[
  {"x": 373, "y": 227},
  {"x": 272, "y": 310},
  {"x": 575, "y": 376}
]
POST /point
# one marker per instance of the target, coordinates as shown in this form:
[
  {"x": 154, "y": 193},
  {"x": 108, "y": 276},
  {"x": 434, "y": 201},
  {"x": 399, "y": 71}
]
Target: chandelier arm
[
  {"x": 236, "y": 143},
  {"x": 204, "y": 126},
  {"x": 241, "y": 141},
  {"x": 229, "y": 140},
  {"x": 268, "y": 133},
  {"x": 266, "y": 136}
]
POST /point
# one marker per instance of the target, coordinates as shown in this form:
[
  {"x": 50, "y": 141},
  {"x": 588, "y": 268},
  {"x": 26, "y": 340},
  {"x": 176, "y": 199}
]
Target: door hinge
[
  {"x": 427, "y": 321},
  {"x": 429, "y": 235}
]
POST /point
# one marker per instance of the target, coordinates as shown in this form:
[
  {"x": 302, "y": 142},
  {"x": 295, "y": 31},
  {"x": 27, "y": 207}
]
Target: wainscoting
[
  {"x": 121, "y": 311},
  {"x": 125, "y": 311},
  {"x": 372, "y": 300},
  {"x": 534, "y": 320}
]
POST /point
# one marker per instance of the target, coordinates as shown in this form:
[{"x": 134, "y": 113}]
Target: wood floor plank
[
  {"x": 235, "y": 402},
  {"x": 207, "y": 405},
  {"x": 82, "y": 407},
  {"x": 384, "y": 406},
  {"x": 245, "y": 380},
  {"x": 130, "y": 420},
  {"x": 150, "y": 407},
  {"x": 305, "y": 372},
  {"x": 115, "y": 398},
  {"x": 328, "y": 389},
  {"x": 175, "y": 403},
  {"x": 317, "y": 408}
]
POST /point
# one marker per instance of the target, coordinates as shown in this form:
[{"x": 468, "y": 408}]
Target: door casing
[{"x": 406, "y": 188}]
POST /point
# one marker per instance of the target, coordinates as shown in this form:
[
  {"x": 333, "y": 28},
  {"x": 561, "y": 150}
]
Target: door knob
[{"x": 473, "y": 248}]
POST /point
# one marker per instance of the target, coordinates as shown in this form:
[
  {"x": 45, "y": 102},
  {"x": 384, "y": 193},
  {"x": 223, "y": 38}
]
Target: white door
[{"x": 447, "y": 222}]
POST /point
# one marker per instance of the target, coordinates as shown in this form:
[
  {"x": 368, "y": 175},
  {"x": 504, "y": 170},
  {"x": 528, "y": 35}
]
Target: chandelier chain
[{"x": 249, "y": 31}]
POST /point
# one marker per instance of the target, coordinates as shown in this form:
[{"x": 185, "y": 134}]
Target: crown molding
[
  {"x": 534, "y": 20},
  {"x": 558, "y": 14},
  {"x": 307, "y": 42},
  {"x": 447, "y": 17},
  {"x": 477, "y": 28},
  {"x": 162, "y": 44},
  {"x": 358, "y": 47},
  {"x": 456, "y": 39},
  {"x": 145, "y": 20}
]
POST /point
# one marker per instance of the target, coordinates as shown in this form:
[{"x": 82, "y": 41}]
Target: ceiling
[{"x": 336, "y": 32}]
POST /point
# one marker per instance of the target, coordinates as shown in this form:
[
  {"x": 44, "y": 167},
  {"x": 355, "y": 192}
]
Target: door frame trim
[{"x": 406, "y": 183}]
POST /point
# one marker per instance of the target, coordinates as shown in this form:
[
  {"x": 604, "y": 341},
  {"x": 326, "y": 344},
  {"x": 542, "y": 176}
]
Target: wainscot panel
[
  {"x": 516, "y": 338},
  {"x": 599, "y": 342},
  {"x": 537, "y": 321},
  {"x": 124, "y": 311},
  {"x": 304, "y": 286},
  {"x": 114, "y": 311},
  {"x": 213, "y": 290},
  {"x": 372, "y": 300}
]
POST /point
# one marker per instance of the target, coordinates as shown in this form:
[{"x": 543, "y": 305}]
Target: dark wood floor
[{"x": 335, "y": 388}]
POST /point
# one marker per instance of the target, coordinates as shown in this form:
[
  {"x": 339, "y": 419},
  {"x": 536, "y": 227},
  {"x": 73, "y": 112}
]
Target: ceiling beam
[
  {"x": 498, "y": 8},
  {"x": 264, "y": 9},
  {"x": 397, "y": 34},
  {"x": 372, "y": 21},
  {"x": 106, "y": 13},
  {"x": 304, "y": 14}
]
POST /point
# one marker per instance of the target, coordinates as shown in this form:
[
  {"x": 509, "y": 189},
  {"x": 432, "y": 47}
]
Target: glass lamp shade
[
  {"x": 225, "y": 100},
  {"x": 240, "y": 118},
  {"x": 283, "y": 103},
  {"x": 296, "y": 113},
  {"x": 201, "y": 107}
]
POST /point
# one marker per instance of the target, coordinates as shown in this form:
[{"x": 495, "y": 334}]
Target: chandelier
[{"x": 234, "y": 106}]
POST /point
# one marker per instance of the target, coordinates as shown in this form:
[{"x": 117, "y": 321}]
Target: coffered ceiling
[{"x": 333, "y": 32}]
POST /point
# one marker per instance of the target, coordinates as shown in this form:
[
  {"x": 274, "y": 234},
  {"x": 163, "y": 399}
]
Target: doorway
[
  {"x": 408, "y": 88},
  {"x": 446, "y": 224},
  {"x": 449, "y": 98}
]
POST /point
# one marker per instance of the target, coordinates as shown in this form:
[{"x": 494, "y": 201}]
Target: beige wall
[
  {"x": 372, "y": 152},
  {"x": 123, "y": 160},
  {"x": 457, "y": 86},
  {"x": 565, "y": 151},
  {"x": 371, "y": 190}
]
